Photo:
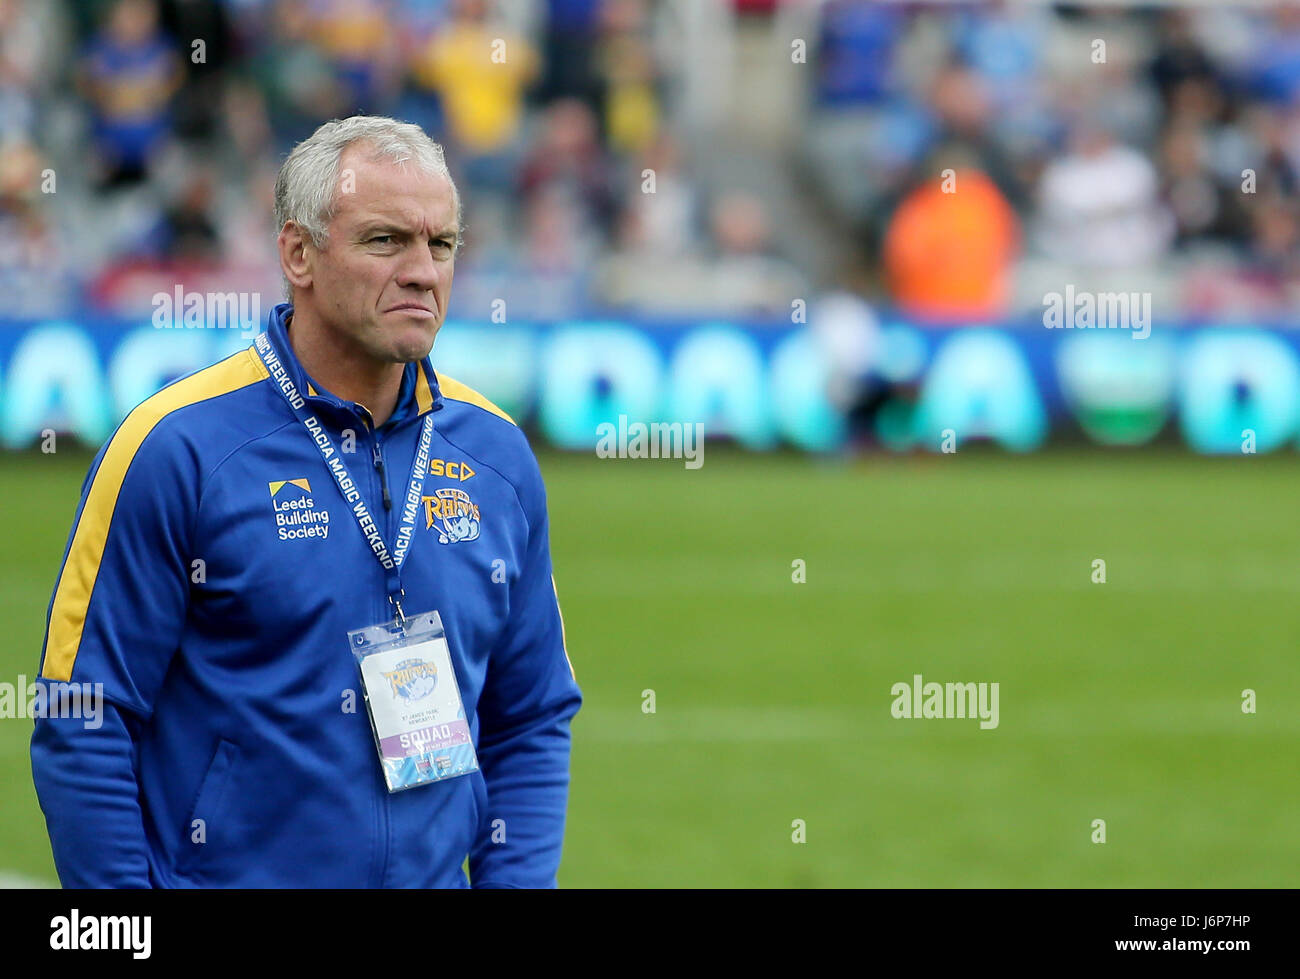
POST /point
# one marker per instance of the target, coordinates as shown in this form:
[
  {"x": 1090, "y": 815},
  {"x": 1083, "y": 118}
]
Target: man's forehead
[
  {"x": 412, "y": 213},
  {"x": 382, "y": 189}
]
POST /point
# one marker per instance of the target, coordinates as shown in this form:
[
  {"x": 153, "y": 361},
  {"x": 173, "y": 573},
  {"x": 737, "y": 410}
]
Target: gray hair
[{"x": 306, "y": 188}]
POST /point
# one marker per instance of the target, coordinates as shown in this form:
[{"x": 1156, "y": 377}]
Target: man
[{"x": 253, "y": 532}]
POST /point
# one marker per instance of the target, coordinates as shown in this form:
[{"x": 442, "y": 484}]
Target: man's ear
[{"x": 296, "y": 255}]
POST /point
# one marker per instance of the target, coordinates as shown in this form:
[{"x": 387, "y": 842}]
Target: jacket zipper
[
  {"x": 381, "y": 472},
  {"x": 383, "y": 811},
  {"x": 388, "y": 536},
  {"x": 383, "y": 478}
]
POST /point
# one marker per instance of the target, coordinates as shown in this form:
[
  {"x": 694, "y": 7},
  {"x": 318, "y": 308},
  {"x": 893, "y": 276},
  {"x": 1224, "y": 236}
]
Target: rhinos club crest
[
  {"x": 413, "y": 679},
  {"x": 452, "y": 514}
]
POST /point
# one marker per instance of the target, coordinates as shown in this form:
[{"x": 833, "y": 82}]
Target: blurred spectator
[
  {"x": 244, "y": 113},
  {"x": 244, "y": 218},
  {"x": 962, "y": 106},
  {"x": 1004, "y": 44},
  {"x": 1275, "y": 73},
  {"x": 557, "y": 243},
  {"x": 295, "y": 77},
  {"x": 1188, "y": 188},
  {"x": 629, "y": 102},
  {"x": 568, "y": 153},
  {"x": 203, "y": 32},
  {"x": 742, "y": 276},
  {"x": 1100, "y": 204},
  {"x": 662, "y": 222},
  {"x": 1275, "y": 248},
  {"x": 480, "y": 72},
  {"x": 568, "y": 47},
  {"x": 187, "y": 231},
  {"x": 855, "y": 53},
  {"x": 29, "y": 60},
  {"x": 1276, "y": 133},
  {"x": 1180, "y": 60},
  {"x": 864, "y": 132},
  {"x": 129, "y": 76},
  {"x": 848, "y": 332},
  {"x": 362, "y": 49},
  {"x": 34, "y": 267},
  {"x": 950, "y": 247},
  {"x": 748, "y": 276}
]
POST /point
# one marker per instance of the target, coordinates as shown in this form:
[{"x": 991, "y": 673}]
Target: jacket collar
[{"x": 418, "y": 394}]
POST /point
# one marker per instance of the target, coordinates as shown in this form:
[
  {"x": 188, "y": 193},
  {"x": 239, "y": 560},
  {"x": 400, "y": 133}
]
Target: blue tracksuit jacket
[{"x": 204, "y": 586}]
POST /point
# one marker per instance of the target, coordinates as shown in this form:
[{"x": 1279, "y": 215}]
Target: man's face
[{"x": 383, "y": 279}]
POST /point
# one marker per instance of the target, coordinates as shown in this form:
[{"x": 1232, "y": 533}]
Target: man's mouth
[{"x": 411, "y": 309}]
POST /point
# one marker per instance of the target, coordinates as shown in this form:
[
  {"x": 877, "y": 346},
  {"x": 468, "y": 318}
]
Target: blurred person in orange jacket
[{"x": 950, "y": 246}]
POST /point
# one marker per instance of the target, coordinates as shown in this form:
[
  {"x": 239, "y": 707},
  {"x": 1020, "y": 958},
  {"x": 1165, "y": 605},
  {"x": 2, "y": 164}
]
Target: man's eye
[
  {"x": 442, "y": 245},
  {"x": 382, "y": 239}
]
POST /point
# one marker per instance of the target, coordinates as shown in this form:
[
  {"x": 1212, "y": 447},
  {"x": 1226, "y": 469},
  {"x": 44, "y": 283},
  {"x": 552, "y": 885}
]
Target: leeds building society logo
[
  {"x": 296, "y": 515},
  {"x": 413, "y": 679}
]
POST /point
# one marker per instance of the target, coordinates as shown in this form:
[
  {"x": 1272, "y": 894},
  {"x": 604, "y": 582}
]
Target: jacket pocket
[{"x": 206, "y": 813}]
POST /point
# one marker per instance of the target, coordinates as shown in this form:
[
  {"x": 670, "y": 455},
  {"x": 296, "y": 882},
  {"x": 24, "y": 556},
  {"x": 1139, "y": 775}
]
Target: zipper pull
[{"x": 383, "y": 478}]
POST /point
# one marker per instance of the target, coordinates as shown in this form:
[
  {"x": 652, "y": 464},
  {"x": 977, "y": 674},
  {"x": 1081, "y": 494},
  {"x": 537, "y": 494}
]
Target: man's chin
[{"x": 413, "y": 345}]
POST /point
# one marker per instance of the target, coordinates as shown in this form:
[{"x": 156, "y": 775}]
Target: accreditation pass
[{"x": 414, "y": 702}]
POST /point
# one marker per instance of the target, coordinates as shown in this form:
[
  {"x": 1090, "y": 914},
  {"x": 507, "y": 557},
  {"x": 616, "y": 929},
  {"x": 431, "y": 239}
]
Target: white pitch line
[
  {"x": 13, "y": 881},
  {"x": 740, "y": 725}
]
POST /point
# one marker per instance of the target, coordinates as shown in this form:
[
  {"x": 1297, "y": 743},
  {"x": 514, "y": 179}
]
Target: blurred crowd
[
  {"x": 1154, "y": 150},
  {"x": 673, "y": 157}
]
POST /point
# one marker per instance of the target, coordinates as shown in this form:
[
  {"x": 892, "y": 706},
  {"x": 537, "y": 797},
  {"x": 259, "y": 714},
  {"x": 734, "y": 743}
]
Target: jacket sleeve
[
  {"x": 528, "y": 699},
  {"x": 113, "y": 625}
]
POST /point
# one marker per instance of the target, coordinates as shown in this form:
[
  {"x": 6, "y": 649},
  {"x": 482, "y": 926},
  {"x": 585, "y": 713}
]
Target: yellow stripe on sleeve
[
  {"x": 77, "y": 580},
  {"x": 564, "y": 642}
]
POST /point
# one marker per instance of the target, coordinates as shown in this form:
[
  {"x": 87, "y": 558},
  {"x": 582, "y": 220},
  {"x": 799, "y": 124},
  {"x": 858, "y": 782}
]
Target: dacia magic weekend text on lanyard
[{"x": 390, "y": 562}]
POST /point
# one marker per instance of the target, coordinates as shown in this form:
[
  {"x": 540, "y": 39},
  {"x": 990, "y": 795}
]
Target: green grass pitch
[{"x": 1118, "y": 701}]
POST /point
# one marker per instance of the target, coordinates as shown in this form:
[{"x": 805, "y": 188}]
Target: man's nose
[{"x": 419, "y": 270}]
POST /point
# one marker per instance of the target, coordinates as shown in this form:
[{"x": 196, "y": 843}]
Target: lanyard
[{"x": 390, "y": 561}]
